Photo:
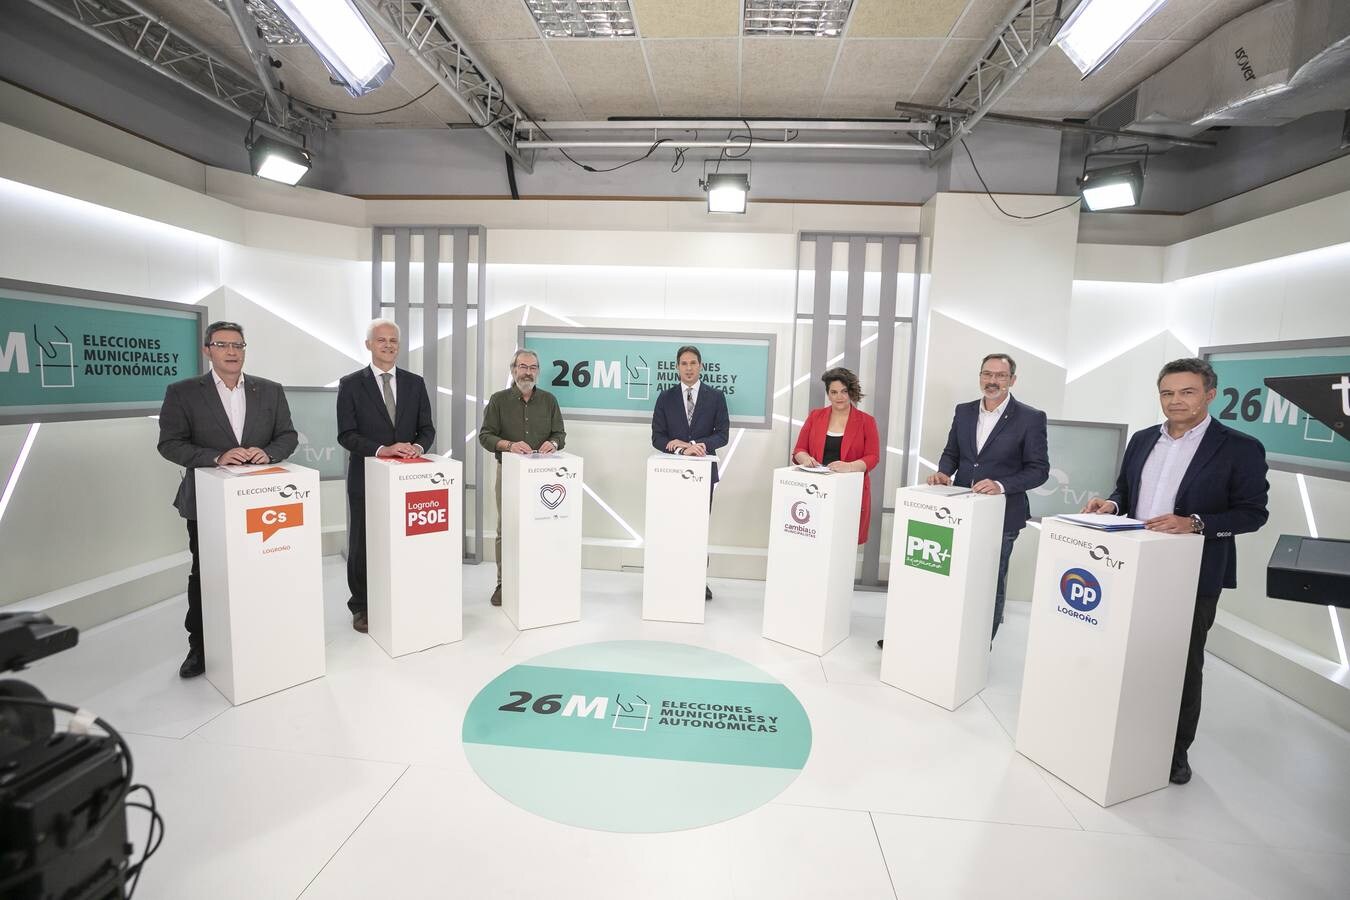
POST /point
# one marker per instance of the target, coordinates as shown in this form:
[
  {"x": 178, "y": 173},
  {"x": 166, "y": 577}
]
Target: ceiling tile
[
  {"x": 1219, "y": 12},
  {"x": 490, "y": 20},
  {"x": 983, "y": 16},
  {"x": 687, "y": 18},
  {"x": 764, "y": 89},
  {"x": 950, "y": 63},
  {"x": 608, "y": 77},
  {"x": 872, "y": 75},
  {"x": 695, "y": 78},
  {"x": 904, "y": 18},
  {"x": 531, "y": 78},
  {"x": 1054, "y": 88},
  {"x": 1173, "y": 15}
]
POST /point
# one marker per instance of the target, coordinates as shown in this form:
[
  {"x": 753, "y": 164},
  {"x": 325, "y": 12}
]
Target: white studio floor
[{"x": 356, "y": 785}]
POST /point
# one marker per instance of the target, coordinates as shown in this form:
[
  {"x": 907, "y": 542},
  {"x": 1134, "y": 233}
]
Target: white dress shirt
[
  {"x": 234, "y": 403},
  {"x": 393, "y": 382},
  {"x": 985, "y": 426},
  {"x": 1166, "y": 464}
]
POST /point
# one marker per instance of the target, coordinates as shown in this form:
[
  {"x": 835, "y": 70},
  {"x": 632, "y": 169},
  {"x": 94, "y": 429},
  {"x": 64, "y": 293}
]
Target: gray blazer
[{"x": 194, "y": 430}]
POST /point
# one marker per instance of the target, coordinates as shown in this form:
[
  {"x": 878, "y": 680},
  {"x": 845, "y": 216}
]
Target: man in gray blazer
[{"x": 219, "y": 419}]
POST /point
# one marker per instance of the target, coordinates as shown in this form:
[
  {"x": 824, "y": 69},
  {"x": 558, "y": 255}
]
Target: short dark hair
[
  {"x": 1012, "y": 363},
  {"x": 220, "y": 326},
  {"x": 1191, "y": 364},
  {"x": 688, "y": 348},
  {"x": 849, "y": 380}
]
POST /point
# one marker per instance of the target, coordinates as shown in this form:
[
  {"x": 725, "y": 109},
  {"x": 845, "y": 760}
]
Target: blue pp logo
[{"x": 1080, "y": 589}]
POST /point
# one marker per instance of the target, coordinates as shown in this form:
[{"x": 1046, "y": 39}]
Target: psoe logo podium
[
  {"x": 1081, "y": 590},
  {"x": 268, "y": 520},
  {"x": 427, "y": 511},
  {"x": 929, "y": 547}
]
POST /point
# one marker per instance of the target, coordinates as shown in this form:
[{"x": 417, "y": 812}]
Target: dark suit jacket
[
  {"x": 1014, "y": 455},
  {"x": 363, "y": 423},
  {"x": 194, "y": 430},
  {"x": 711, "y": 425},
  {"x": 860, "y": 442},
  {"x": 1225, "y": 485}
]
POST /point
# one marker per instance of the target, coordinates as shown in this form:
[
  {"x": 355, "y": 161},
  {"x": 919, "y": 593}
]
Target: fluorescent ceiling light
[
  {"x": 1097, "y": 28},
  {"x": 277, "y": 161},
  {"x": 343, "y": 39},
  {"x": 727, "y": 193},
  {"x": 1112, "y": 188},
  {"x": 796, "y": 18},
  {"x": 583, "y": 18}
]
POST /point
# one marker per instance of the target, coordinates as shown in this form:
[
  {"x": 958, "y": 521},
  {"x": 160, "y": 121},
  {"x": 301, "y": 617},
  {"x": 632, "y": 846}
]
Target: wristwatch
[{"x": 1197, "y": 524}]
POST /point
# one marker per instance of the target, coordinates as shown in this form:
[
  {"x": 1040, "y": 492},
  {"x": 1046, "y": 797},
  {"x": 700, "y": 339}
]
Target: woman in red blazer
[{"x": 842, "y": 437}]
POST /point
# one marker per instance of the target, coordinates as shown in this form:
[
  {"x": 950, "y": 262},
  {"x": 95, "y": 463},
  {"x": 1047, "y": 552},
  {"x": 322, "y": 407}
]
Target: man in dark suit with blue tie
[
  {"x": 1192, "y": 475},
  {"x": 381, "y": 411},
  {"x": 997, "y": 445},
  {"x": 691, "y": 418}
]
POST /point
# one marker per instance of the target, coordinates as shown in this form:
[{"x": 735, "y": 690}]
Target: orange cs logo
[{"x": 268, "y": 520}]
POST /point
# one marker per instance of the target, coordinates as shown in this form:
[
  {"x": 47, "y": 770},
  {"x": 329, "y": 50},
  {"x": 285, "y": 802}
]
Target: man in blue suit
[
  {"x": 381, "y": 411},
  {"x": 997, "y": 445},
  {"x": 1192, "y": 475},
  {"x": 691, "y": 418}
]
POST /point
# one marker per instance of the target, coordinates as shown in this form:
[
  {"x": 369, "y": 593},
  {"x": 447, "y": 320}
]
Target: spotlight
[
  {"x": 342, "y": 37},
  {"x": 1116, "y": 186},
  {"x": 275, "y": 160},
  {"x": 727, "y": 193}
]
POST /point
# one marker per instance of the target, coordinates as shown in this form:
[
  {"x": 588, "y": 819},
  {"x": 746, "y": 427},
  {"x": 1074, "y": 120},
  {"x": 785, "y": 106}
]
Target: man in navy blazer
[
  {"x": 381, "y": 411},
  {"x": 691, "y": 418},
  {"x": 1192, "y": 475},
  {"x": 997, "y": 445}
]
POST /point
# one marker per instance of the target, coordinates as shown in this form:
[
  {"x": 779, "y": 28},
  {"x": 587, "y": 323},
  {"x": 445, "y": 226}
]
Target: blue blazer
[
  {"x": 711, "y": 425},
  {"x": 1225, "y": 485},
  {"x": 1014, "y": 455},
  {"x": 363, "y": 423}
]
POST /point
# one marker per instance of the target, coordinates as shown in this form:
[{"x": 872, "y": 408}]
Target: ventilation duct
[{"x": 1275, "y": 64}]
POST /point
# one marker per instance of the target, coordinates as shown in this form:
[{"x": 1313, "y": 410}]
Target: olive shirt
[{"x": 509, "y": 418}]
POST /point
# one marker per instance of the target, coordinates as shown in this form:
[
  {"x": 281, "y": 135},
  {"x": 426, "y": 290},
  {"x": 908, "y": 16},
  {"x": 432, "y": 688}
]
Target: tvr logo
[
  {"x": 1100, "y": 552},
  {"x": 814, "y": 489},
  {"x": 945, "y": 515},
  {"x": 290, "y": 491}
]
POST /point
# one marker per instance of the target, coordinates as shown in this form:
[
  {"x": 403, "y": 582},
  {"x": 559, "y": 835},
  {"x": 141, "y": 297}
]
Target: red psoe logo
[
  {"x": 268, "y": 520},
  {"x": 428, "y": 511}
]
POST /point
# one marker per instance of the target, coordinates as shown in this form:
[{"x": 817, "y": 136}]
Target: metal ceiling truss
[
  {"x": 1025, "y": 35},
  {"x": 426, "y": 33},
  {"x": 140, "y": 35}
]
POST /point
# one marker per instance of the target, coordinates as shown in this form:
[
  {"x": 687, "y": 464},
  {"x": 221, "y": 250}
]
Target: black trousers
[
  {"x": 1206, "y": 606},
  {"x": 356, "y": 552},
  {"x": 193, "y": 621}
]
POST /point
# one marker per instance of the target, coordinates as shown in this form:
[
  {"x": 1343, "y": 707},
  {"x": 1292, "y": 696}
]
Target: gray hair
[
  {"x": 522, "y": 352},
  {"x": 377, "y": 323}
]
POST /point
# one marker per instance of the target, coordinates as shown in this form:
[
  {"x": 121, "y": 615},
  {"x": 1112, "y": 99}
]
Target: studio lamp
[
  {"x": 727, "y": 192},
  {"x": 275, "y": 160}
]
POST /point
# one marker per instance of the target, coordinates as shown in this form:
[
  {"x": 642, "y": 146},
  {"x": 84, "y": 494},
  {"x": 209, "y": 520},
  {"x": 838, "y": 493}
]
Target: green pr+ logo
[{"x": 929, "y": 547}]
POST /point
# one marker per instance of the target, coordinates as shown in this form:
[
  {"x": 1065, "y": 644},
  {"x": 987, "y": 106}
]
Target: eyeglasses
[
  {"x": 228, "y": 345},
  {"x": 522, "y": 367},
  {"x": 995, "y": 376}
]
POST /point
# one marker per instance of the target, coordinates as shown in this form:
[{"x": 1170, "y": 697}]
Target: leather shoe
[
  {"x": 194, "y": 665},
  {"x": 707, "y": 593},
  {"x": 1181, "y": 771},
  {"x": 360, "y": 623},
  {"x": 881, "y": 642},
  {"x": 497, "y": 596}
]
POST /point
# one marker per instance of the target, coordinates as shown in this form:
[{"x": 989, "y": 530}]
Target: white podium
[
  {"x": 675, "y": 549},
  {"x": 940, "y": 598},
  {"x": 1106, "y": 655},
  {"x": 414, "y": 552},
  {"x": 541, "y": 538},
  {"x": 813, "y": 551},
  {"x": 258, "y": 539}
]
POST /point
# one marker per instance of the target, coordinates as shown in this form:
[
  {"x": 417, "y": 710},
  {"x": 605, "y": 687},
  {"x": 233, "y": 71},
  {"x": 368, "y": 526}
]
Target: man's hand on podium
[
  {"x": 401, "y": 450},
  {"x": 238, "y": 456},
  {"x": 939, "y": 478},
  {"x": 520, "y": 447},
  {"x": 695, "y": 449},
  {"x": 1100, "y": 505},
  {"x": 1171, "y": 524},
  {"x": 986, "y": 486}
]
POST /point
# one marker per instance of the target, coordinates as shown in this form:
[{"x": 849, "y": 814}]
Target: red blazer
[{"x": 860, "y": 443}]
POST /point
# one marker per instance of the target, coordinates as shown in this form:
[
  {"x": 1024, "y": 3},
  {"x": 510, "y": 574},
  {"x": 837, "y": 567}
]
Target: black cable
[
  {"x": 990, "y": 194},
  {"x": 378, "y": 112},
  {"x": 151, "y": 843},
  {"x": 511, "y": 176}
]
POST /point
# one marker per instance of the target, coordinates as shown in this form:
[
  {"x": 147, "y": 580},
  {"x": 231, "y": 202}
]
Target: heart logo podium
[{"x": 552, "y": 495}]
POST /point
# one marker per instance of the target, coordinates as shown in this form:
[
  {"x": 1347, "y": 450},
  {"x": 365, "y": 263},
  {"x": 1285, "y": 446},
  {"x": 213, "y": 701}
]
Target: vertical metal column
[
  {"x": 820, "y": 321},
  {"x": 881, "y": 398},
  {"x": 480, "y": 322},
  {"x": 431, "y": 293},
  {"x": 402, "y": 255},
  {"x": 857, "y": 266},
  {"x": 376, "y": 274}
]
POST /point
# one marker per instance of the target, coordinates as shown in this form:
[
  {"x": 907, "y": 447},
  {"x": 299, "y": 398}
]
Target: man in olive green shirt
[{"x": 520, "y": 419}]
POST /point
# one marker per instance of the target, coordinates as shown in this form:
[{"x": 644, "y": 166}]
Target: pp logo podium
[
  {"x": 929, "y": 547},
  {"x": 1081, "y": 590}
]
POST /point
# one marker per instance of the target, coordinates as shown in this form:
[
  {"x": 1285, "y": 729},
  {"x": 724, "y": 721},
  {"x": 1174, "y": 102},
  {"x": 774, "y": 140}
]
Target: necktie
[
  {"x": 388, "y": 395},
  {"x": 689, "y": 405}
]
